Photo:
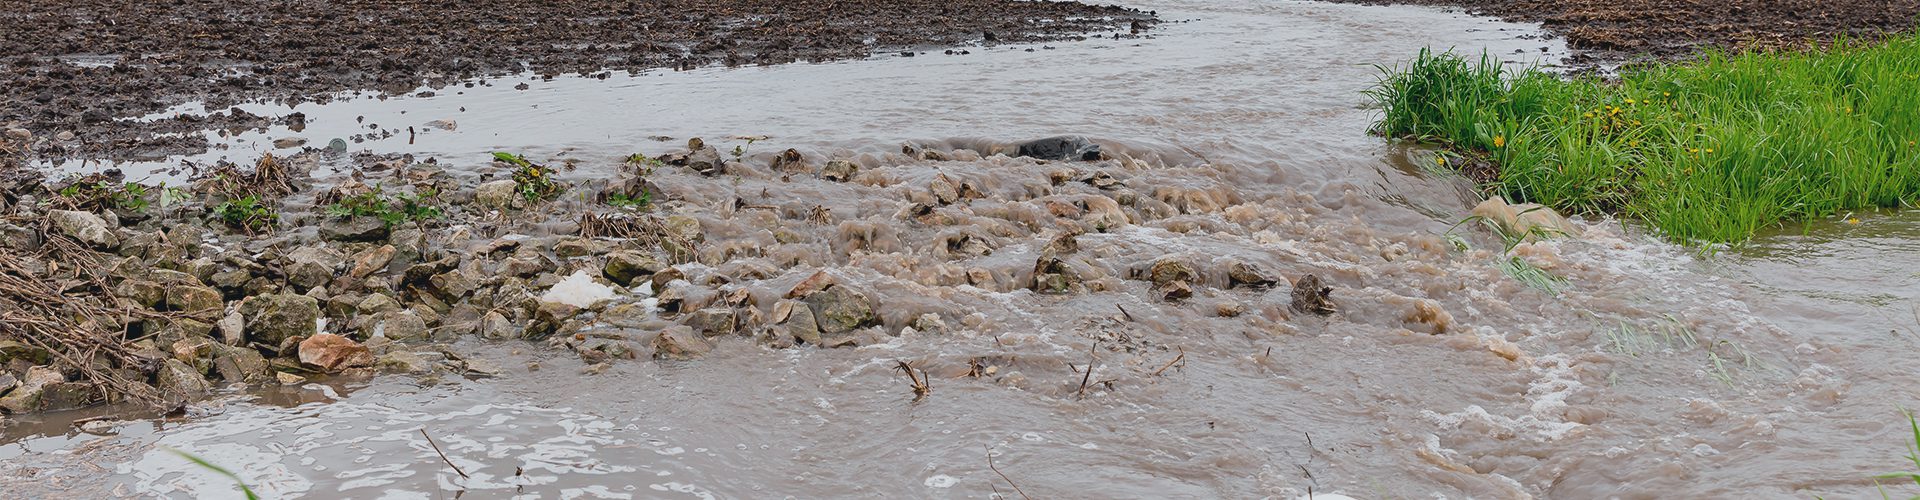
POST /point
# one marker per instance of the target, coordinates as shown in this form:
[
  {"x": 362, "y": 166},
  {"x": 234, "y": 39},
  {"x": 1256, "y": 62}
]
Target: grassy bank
[{"x": 1709, "y": 150}]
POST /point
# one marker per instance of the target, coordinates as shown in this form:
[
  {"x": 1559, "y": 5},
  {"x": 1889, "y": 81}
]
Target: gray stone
[
  {"x": 354, "y": 229},
  {"x": 624, "y": 267},
  {"x": 840, "y": 309},
  {"x": 196, "y": 300},
  {"x": 177, "y": 379},
  {"x": 86, "y": 227},
  {"x": 680, "y": 342},
  {"x": 272, "y": 318},
  {"x": 239, "y": 364},
  {"x": 839, "y": 170},
  {"x": 502, "y": 194},
  {"x": 376, "y": 304},
  {"x": 403, "y": 362},
  {"x": 404, "y": 326},
  {"x": 289, "y": 142}
]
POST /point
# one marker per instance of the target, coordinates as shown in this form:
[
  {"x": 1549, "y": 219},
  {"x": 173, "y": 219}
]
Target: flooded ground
[{"x": 1771, "y": 372}]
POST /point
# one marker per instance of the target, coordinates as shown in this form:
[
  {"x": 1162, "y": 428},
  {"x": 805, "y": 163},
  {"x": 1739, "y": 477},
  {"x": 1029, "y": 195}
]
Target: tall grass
[{"x": 1709, "y": 150}]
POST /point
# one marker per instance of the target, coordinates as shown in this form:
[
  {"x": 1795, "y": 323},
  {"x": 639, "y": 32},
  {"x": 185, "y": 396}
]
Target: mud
[
  {"x": 1610, "y": 31},
  {"x": 80, "y": 66}
]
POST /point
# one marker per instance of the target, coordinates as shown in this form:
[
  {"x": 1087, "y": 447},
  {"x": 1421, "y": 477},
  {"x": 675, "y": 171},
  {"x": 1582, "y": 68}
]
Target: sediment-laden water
[{"x": 1649, "y": 372}]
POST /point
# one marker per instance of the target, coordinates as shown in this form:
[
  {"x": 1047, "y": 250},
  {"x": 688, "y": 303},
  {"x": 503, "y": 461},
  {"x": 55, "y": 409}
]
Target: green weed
[
  {"x": 203, "y": 463},
  {"x": 535, "y": 181},
  {"x": 1913, "y": 455},
  {"x": 85, "y": 194},
  {"x": 248, "y": 214},
  {"x": 1711, "y": 150},
  {"x": 390, "y": 209}
]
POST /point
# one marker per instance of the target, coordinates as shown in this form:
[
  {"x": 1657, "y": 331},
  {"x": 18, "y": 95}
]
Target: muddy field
[
  {"x": 75, "y": 66},
  {"x": 1623, "y": 29}
]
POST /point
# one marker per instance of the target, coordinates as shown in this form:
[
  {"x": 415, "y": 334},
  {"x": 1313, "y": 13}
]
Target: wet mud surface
[
  {"x": 1626, "y": 29},
  {"x": 77, "y": 66}
]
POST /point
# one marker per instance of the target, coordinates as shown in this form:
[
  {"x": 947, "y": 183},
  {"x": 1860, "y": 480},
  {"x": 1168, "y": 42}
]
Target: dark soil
[
  {"x": 1627, "y": 29},
  {"x": 76, "y": 65}
]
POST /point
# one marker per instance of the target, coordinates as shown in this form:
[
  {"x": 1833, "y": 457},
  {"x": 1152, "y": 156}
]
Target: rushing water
[{"x": 1774, "y": 371}]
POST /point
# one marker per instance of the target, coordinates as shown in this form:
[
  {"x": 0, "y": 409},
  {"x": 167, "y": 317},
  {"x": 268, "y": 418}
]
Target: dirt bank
[
  {"x": 74, "y": 66},
  {"x": 1623, "y": 29}
]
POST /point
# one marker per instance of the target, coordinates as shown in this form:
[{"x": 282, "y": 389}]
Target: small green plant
[
  {"x": 203, "y": 463},
  {"x": 390, "y": 209},
  {"x": 641, "y": 202},
  {"x": 247, "y": 214},
  {"x": 88, "y": 194},
  {"x": 1913, "y": 455},
  {"x": 535, "y": 181},
  {"x": 740, "y": 151},
  {"x": 1513, "y": 265}
]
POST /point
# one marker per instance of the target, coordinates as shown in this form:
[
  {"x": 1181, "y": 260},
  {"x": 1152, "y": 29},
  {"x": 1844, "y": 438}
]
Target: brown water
[{"x": 1773, "y": 371}]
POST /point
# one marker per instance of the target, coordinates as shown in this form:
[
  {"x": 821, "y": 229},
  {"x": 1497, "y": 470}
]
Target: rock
[
  {"x": 495, "y": 326},
  {"x": 1174, "y": 290},
  {"x": 7, "y": 382},
  {"x": 45, "y": 389},
  {"x": 943, "y": 190},
  {"x": 146, "y": 293},
  {"x": 820, "y": 280},
  {"x": 233, "y": 329},
  {"x": 839, "y": 170},
  {"x": 376, "y": 304},
  {"x": 1169, "y": 270},
  {"x": 679, "y": 342},
  {"x": 705, "y": 160},
  {"x": 177, "y": 379},
  {"x": 403, "y": 362},
  {"x": 332, "y": 353},
  {"x": 239, "y": 364},
  {"x": 289, "y": 379},
  {"x": 272, "y": 318},
  {"x": 13, "y": 349},
  {"x": 930, "y": 323},
  {"x": 1309, "y": 295},
  {"x": 403, "y": 326},
  {"x": 798, "y": 321},
  {"x": 289, "y": 142},
  {"x": 353, "y": 229},
  {"x": 19, "y": 134},
  {"x": 1526, "y": 221},
  {"x": 577, "y": 247},
  {"x": 195, "y": 300},
  {"x": 371, "y": 261},
  {"x": 454, "y": 285},
  {"x": 502, "y": 194},
  {"x": 64, "y": 136},
  {"x": 86, "y": 227},
  {"x": 712, "y": 321},
  {"x": 1104, "y": 214},
  {"x": 1067, "y": 147},
  {"x": 685, "y": 228},
  {"x": 626, "y": 266},
  {"x": 231, "y": 281},
  {"x": 839, "y": 309},
  {"x": 319, "y": 255},
  {"x": 1244, "y": 274},
  {"x": 444, "y": 124},
  {"x": 789, "y": 161},
  {"x": 483, "y": 368}
]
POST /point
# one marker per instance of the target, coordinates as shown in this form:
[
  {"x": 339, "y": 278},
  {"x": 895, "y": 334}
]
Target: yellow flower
[
  {"x": 1709, "y": 150},
  {"x": 1853, "y": 220},
  {"x": 1668, "y": 94},
  {"x": 1499, "y": 141},
  {"x": 1629, "y": 101},
  {"x": 1589, "y": 114},
  {"x": 1440, "y": 160}
]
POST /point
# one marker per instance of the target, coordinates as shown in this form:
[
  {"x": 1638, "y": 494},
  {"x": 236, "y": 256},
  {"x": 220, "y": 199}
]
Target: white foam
[{"x": 578, "y": 290}]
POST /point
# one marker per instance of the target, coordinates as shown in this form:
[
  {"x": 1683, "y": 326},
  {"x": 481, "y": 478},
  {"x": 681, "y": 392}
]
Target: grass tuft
[{"x": 1710, "y": 151}]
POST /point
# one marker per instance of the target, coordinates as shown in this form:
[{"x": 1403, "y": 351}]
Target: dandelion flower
[
  {"x": 1709, "y": 150},
  {"x": 1499, "y": 141},
  {"x": 1440, "y": 160},
  {"x": 1853, "y": 221}
]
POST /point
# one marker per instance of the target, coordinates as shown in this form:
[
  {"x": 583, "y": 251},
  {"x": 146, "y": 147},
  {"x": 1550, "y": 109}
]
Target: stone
[
  {"x": 930, "y": 323},
  {"x": 354, "y": 229},
  {"x": 576, "y": 247},
  {"x": 679, "y": 343},
  {"x": 289, "y": 142},
  {"x": 495, "y": 326},
  {"x": 683, "y": 227},
  {"x": 839, "y": 170},
  {"x": 85, "y": 227},
  {"x": 502, "y": 194},
  {"x": 195, "y": 300},
  {"x": 403, "y": 326},
  {"x": 454, "y": 285},
  {"x": 1310, "y": 295},
  {"x": 1066, "y": 147},
  {"x": 332, "y": 353},
  {"x": 177, "y": 379},
  {"x": 64, "y": 136},
  {"x": 1170, "y": 270},
  {"x": 789, "y": 161},
  {"x": 26, "y": 397},
  {"x": 712, "y": 321},
  {"x": 376, "y": 304},
  {"x": 818, "y": 281},
  {"x": 19, "y": 134},
  {"x": 403, "y": 362},
  {"x": 483, "y": 368},
  {"x": 371, "y": 260},
  {"x": 146, "y": 293},
  {"x": 943, "y": 190},
  {"x": 1525, "y": 221},
  {"x": 272, "y": 318},
  {"x": 239, "y": 364},
  {"x": 798, "y": 321},
  {"x": 626, "y": 266},
  {"x": 289, "y": 379},
  {"x": 1245, "y": 274},
  {"x": 232, "y": 328},
  {"x": 840, "y": 309}
]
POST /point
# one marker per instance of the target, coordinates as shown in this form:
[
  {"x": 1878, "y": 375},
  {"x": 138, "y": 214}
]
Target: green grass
[
  {"x": 1709, "y": 150},
  {"x": 392, "y": 209}
]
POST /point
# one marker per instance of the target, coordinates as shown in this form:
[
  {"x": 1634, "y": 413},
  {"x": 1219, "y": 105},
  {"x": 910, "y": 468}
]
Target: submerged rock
[
  {"x": 180, "y": 380},
  {"x": 1066, "y": 147},
  {"x": 839, "y": 309},
  {"x": 839, "y": 170},
  {"x": 1309, "y": 295},
  {"x": 1526, "y": 220}
]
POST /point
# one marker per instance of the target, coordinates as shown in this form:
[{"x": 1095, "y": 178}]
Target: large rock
[
  {"x": 179, "y": 380},
  {"x": 239, "y": 364},
  {"x": 404, "y": 326},
  {"x": 1066, "y": 147},
  {"x": 839, "y": 170},
  {"x": 680, "y": 342},
  {"x": 840, "y": 309},
  {"x": 371, "y": 261},
  {"x": 195, "y": 300},
  {"x": 272, "y": 318},
  {"x": 332, "y": 353},
  {"x": 626, "y": 266},
  {"x": 27, "y": 396},
  {"x": 86, "y": 227},
  {"x": 502, "y": 194},
  {"x": 354, "y": 229},
  {"x": 1526, "y": 220},
  {"x": 145, "y": 293},
  {"x": 404, "y": 362}
]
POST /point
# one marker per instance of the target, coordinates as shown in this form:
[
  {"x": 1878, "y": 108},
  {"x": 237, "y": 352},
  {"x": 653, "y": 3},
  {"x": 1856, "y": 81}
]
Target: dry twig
[{"x": 443, "y": 455}]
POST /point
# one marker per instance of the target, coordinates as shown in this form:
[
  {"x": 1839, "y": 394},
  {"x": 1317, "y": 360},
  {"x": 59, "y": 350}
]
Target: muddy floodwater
[{"x": 1775, "y": 370}]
